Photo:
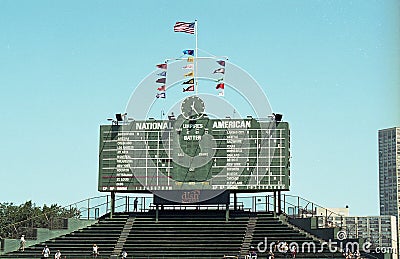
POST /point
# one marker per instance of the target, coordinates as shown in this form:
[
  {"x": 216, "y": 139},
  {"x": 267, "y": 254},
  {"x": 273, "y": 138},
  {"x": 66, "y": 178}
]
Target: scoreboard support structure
[
  {"x": 112, "y": 211},
  {"x": 193, "y": 161},
  {"x": 222, "y": 199}
]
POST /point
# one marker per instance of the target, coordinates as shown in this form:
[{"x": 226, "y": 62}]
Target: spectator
[
  {"x": 95, "y": 251},
  {"x": 22, "y": 243},
  {"x": 46, "y": 251},
  {"x": 57, "y": 255},
  {"x": 293, "y": 249},
  {"x": 276, "y": 246},
  {"x": 135, "y": 203},
  {"x": 284, "y": 248},
  {"x": 357, "y": 254},
  {"x": 124, "y": 254}
]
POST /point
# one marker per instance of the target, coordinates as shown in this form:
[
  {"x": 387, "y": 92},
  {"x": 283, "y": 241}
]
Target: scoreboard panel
[{"x": 246, "y": 155}]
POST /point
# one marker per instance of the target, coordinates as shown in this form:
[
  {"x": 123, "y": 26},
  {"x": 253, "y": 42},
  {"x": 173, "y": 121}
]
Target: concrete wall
[{"x": 311, "y": 226}]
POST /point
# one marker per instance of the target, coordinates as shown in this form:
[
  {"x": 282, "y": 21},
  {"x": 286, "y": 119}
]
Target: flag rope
[{"x": 196, "y": 50}]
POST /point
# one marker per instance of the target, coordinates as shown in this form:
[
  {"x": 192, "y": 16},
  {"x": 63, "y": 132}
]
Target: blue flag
[
  {"x": 163, "y": 73},
  {"x": 188, "y": 52}
]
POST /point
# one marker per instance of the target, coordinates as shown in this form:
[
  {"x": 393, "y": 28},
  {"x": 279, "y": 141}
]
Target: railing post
[
  {"x": 127, "y": 203},
  {"x": 284, "y": 202},
  {"x": 279, "y": 202},
  {"x": 112, "y": 204},
  {"x": 234, "y": 201},
  {"x": 326, "y": 218},
  {"x": 88, "y": 208},
  {"x": 312, "y": 209},
  {"x": 298, "y": 206},
  {"x": 106, "y": 203},
  {"x": 226, "y": 212}
]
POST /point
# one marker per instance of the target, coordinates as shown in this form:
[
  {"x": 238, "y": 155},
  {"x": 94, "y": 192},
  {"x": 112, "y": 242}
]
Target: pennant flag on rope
[
  {"x": 161, "y": 80},
  {"x": 190, "y": 74},
  {"x": 221, "y": 62},
  {"x": 189, "y": 82},
  {"x": 161, "y": 88},
  {"x": 186, "y": 27},
  {"x": 219, "y": 70},
  {"x": 189, "y": 52},
  {"x": 189, "y": 89},
  {"x": 190, "y": 59},
  {"x": 220, "y": 86},
  {"x": 221, "y": 93},
  {"x": 163, "y": 73},
  {"x": 189, "y": 66},
  {"x": 160, "y": 95},
  {"x": 219, "y": 80},
  {"x": 162, "y": 66}
]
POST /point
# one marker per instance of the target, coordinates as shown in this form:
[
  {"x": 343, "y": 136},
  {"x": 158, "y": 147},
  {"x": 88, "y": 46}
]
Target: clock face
[{"x": 193, "y": 107}]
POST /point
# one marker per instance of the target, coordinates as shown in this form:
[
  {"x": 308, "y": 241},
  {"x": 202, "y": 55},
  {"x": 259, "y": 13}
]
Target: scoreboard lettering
[{"x": 203, "y": 154}]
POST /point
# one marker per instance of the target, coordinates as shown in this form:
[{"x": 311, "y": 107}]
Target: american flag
[{"x": 187, "y": 27}]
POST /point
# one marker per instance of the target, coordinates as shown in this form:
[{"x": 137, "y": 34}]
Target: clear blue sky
[{"x": 331, "y": 67}]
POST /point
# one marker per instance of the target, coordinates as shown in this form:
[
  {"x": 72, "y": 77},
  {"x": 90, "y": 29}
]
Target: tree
[{"x": 17, "y": 220}]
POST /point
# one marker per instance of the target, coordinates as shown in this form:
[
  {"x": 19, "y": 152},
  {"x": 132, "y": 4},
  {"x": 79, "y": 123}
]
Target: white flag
[{"x": 189, "y": 66}]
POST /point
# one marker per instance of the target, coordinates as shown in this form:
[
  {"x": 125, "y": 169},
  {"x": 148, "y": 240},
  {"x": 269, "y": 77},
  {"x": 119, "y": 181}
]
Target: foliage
[{"x": 23, "y": 219}]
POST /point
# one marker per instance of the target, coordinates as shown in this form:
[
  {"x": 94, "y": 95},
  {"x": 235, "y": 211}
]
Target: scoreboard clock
[{"x": 192, "y": 108}]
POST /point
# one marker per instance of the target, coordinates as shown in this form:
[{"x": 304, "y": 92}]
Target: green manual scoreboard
[{"x": 194, "y": 153}]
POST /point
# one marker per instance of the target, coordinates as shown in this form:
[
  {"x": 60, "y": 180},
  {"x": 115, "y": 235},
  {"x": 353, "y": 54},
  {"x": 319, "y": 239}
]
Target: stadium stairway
[{"x": 178, "y": 234}]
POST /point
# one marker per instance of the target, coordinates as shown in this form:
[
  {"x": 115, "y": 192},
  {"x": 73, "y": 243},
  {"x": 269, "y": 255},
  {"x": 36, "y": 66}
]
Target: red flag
[
  {"x": 221, "y": 62},
  {"x": 220, "y": 86},
  {"x": 161, "y": 88},
  {"x": 162, "y": 66},
  {"x": 161, "y": 80}
]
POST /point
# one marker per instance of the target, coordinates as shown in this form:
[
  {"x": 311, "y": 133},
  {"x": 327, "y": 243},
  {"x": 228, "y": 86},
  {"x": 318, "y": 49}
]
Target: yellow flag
[
  {"x": 191, "y": 74},
  {"x": 190, "y": 59}
]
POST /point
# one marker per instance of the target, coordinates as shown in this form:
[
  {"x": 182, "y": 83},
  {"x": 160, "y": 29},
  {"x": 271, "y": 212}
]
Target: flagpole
[{"x": 196, "y": 50}]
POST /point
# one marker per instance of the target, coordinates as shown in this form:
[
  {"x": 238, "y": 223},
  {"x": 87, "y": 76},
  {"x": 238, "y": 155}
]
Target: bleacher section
[
  {"x": 79, "y": 244},
  {"x": 187, "y": 234},
  {"x": 176, "y": 234}
]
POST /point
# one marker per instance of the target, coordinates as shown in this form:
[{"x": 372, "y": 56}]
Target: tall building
[{"x": 389, "y": 171}]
